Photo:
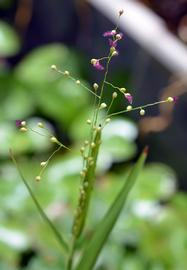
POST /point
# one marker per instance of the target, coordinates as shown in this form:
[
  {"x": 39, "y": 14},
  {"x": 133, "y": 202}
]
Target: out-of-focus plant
[{"x": 100, "y": 130}]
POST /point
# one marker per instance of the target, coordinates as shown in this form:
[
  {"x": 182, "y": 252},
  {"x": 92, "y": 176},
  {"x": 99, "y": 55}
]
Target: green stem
[
  {"x": 71, "y": 254},
  {"x": 74, "y": 80},
  {"x": 113, "y": 86},
  {"x": 138, "y": 108},
  {"x": 102, "y": 87}
]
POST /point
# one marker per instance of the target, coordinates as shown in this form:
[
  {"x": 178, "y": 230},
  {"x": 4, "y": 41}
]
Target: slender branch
[
  {"x": 138, "y": 108},
  {"x": 80, "y": 83}
]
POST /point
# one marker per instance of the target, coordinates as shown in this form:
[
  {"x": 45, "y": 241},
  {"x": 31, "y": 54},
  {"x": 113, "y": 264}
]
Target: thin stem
[
  {"x": 138, "y": 108},
  {"x": 50, "y": 157},
  {"x": 71, "y": 254},
  {"x": 102, "y": 87},
  {"x": 74, "y": 80},
  {"x": 103, "y": 58},
  {"x": 111, "y": 103},
  {"x": 115, "y": 87},
  {"x": 37, "y": 132}
]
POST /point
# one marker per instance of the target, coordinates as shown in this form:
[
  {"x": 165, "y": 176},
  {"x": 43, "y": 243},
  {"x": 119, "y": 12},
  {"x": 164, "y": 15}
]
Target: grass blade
[
  {"x": 38, "y": 206},
  {"x": 106, "y": 225}
]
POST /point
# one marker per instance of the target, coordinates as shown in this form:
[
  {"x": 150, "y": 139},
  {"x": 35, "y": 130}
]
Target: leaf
[
  {"x": 106, "y": 225},
  {"x": 9, "y": 42},
  {"x": 56, "y": 233}
]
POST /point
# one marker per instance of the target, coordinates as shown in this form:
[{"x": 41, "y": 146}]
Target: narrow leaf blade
[
  {"x": 106, "y": 225},
  {"x": 56, "y": 233}
]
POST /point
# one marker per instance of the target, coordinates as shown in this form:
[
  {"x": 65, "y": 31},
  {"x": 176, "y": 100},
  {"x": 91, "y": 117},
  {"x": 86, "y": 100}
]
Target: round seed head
[
  {"x": 142, "y": 112},
  {"x": 123, "y": 90},
  {"x": 43, "y": 163},
  {"x": 114, "y": 95},
  {"x": 38, "y": 178},
  {"x": 92, "y": 145},
  {"x": 93, "y": 61},
  {"x": 66, "y": 72},
  {"x": 170, "y": 99},
  {"x": 23, "y": 129},
  {"x": 23, "y": 123},
  {"x": 40, "y": 125},
  {"x": 129, "y": 108},
  {"x": 107, "y": 120},
  {"x": 88, "y": 121},
  {"x": 54, "y": 139},
  {"x": 103, "y": 105},
  {"x": 53, "y": 67},
  {"x": 95, "y": 86}
]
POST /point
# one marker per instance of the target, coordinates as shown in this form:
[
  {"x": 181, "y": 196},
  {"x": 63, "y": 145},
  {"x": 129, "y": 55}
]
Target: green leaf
[
  {"x": 106, "y": 225},
  {"x": 56, "y": 233},
  {"x": 9, "y": 42}
]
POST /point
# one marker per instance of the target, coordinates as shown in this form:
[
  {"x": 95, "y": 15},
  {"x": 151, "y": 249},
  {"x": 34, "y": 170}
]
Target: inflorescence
[
  {"x": 24, "y": 127},
  {"x": 90, "y": 149}
]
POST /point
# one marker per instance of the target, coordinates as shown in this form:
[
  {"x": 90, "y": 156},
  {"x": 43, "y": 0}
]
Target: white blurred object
[
  {"x": 148, "y": 30},
  {"x": 13, "y": 238}
]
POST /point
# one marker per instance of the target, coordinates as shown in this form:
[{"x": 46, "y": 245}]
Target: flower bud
[
  {"x": 112, "y": 49},
  {"x": 107, "y": 120},
  {"x": 170, "y": 99},
  {"x": 123, "y": 90},
  {"x": 129, "y": 108},
  {"x": 23, "y": 123},
  {"x": 118, "y": 36},
  {"x": 66, "y": 72},
  {"x": 54, "y": 139},
  {"x": 23, "y": 129},
  {"x": 38, "y": 178},
  {"x": 43, "y": 163},
  {"x": 78, "y": 82},
  {"x": 115, "y": 53},
  {"x": 113, "y": 32},
  {"x": 93, "y": 61},
  {"x": 40, "y": 124},
  {"x": 95, "y": 86},
  {"x": 114, "y": 95},
  {"x": 92, "y": 145},
  {"x": 53, "y": 67},
  {"x": 142, "y": 112},
  {"x": 85, "y": 184},
  {"x": 82, "y": 149},
  {"x": 102, "y": 106},
  {"x": 88, "y": 121}
]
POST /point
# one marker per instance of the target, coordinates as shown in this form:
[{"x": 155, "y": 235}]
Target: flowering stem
[
  {"x": 80, "y": 83},
  {"x": 138, "y": 108},
  {"x": 115, "y": 87},
  {"x": 103, "y": 58},
  {"x": 50, "y": 157},
  {"x": 102, "y": 86},
  {"x": 71, "y": 254}
]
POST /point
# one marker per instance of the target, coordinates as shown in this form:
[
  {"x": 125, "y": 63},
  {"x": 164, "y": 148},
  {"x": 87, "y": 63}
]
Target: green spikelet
[{"x": 88, "y": 177}]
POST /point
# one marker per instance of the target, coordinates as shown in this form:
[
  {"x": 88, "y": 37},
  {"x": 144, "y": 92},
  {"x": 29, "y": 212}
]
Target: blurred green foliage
[{"x": 151, "y": 232}]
